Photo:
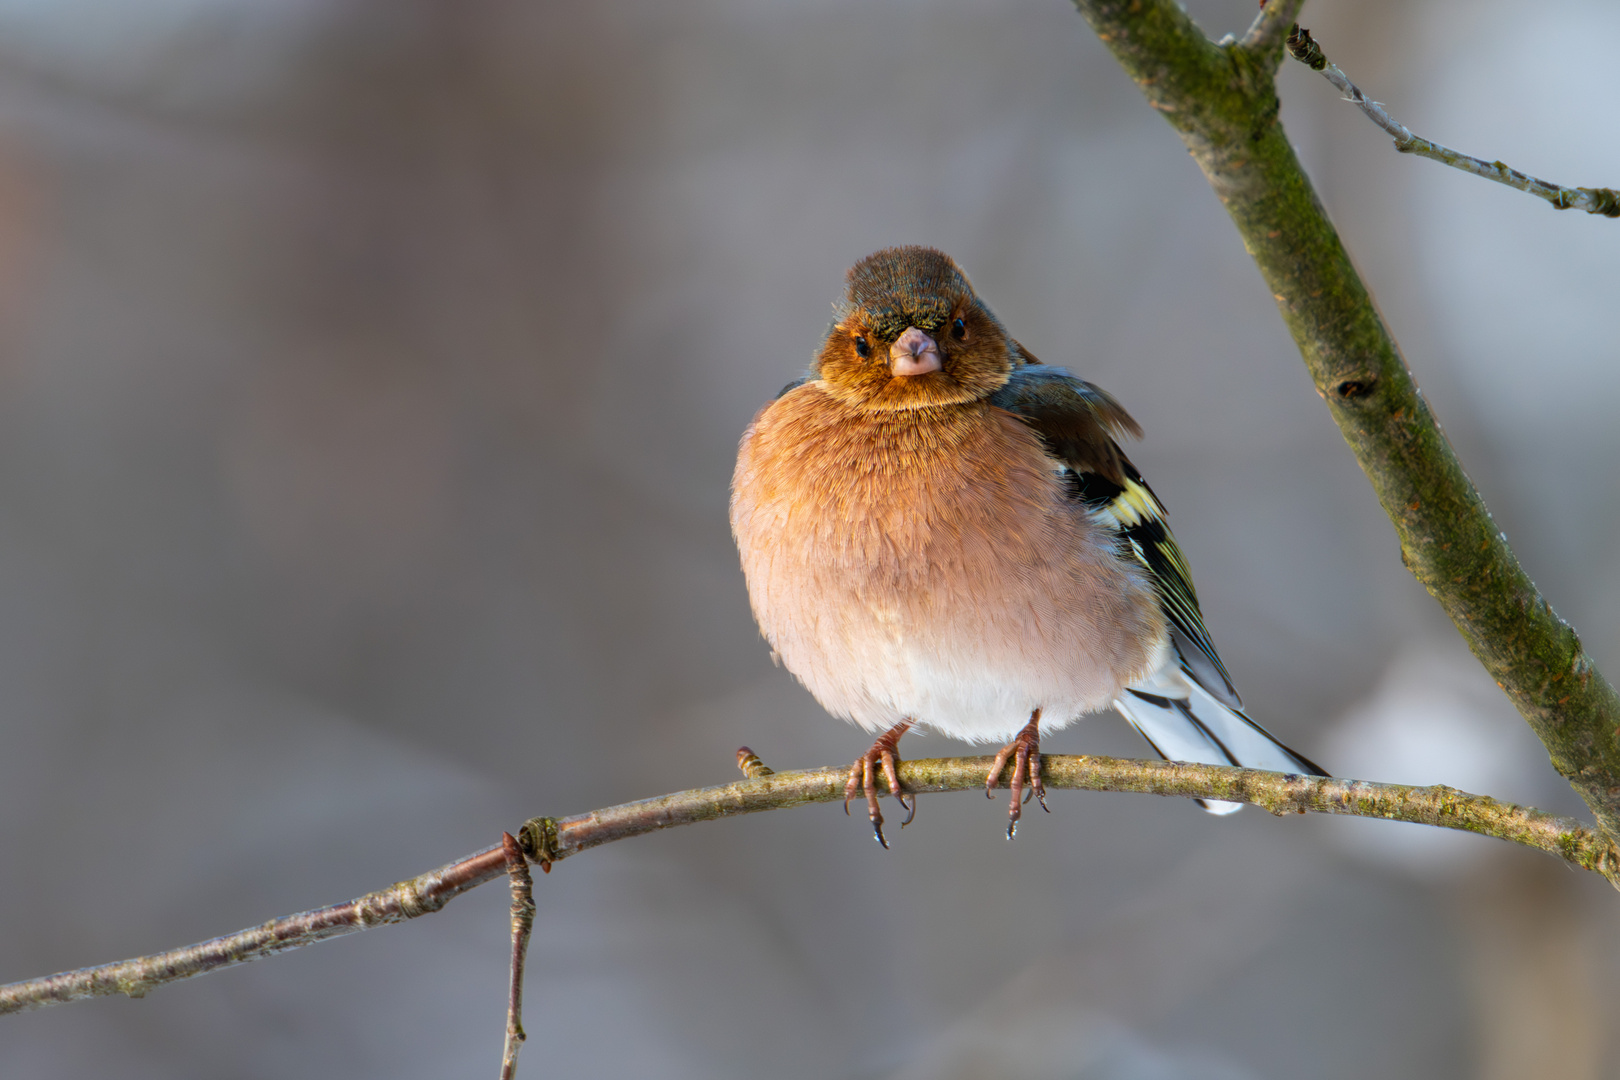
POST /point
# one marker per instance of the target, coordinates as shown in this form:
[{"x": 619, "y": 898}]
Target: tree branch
[
  {"x": 1264, "y": 38},
  {"x": 546, "y": 840},
  {"x": 1222, "y": 101},
  {"x": 405, "y": 900},
  {"x": 1604, "y": 201}
]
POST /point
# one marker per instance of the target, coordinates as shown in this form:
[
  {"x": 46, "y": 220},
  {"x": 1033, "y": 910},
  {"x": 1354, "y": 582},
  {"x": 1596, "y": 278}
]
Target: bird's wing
[
  {"x": 1078, "y": 423},
  {"x": 794, "y": 385},
  {"x": 1191, "y": 711}
]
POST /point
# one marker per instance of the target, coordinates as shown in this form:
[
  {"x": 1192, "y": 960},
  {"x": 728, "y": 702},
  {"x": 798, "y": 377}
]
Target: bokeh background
[{"x": 370, "y": 377}]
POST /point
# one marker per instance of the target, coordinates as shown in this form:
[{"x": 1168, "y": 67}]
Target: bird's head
[{"x": 911, "y": 334}]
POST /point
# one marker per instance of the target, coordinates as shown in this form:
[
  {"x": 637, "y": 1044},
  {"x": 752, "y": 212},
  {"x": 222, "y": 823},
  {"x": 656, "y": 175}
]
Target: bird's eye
[
  {"x": 862, "y": 349},
  {"x": 958, "y": 329}
]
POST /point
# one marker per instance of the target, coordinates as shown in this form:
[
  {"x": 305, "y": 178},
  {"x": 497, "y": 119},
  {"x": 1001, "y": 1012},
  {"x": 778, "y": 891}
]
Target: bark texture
[{"x": 1221, "y": 99}]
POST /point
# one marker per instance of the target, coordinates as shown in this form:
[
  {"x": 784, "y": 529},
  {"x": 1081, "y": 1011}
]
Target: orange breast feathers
[{"x": 928, "y": 565}]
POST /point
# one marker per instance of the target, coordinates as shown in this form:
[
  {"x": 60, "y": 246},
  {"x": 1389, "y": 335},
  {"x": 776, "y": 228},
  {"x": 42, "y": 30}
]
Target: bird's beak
[{"x": 914, "y": 353}]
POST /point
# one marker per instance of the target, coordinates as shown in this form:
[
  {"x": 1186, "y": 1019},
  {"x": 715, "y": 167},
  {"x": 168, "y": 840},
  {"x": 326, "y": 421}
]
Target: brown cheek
[
  {"x": 980, "y": 367},
  {"x": 852, "y": 374}
]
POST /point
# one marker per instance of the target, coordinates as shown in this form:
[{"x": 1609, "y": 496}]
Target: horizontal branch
[
  {"x": 1604, "y": 201},
  {"x": 550, "y": 839},
  {"x": 546, "y": 840}
]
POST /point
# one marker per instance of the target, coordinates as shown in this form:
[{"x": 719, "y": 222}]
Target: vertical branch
[
  {"x": 517, "y": 869},
  {"x": 1222, "y": 101}
]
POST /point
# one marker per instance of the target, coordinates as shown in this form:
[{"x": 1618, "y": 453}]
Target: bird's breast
[{"x": 931, "y": 560}]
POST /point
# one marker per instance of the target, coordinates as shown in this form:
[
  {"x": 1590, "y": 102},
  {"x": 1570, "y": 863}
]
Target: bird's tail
[{"x": 1184, "y": 722}]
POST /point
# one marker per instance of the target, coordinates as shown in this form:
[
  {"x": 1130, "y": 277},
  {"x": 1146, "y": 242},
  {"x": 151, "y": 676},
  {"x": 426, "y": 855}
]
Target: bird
[{"x": 936, "y": 529}]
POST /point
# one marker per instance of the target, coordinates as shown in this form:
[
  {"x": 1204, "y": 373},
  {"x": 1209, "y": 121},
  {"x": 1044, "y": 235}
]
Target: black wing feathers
[{"x": 1078, "y": 423}]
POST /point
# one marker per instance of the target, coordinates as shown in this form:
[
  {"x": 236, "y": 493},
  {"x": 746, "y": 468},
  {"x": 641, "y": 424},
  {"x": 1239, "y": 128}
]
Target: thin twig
[
  {"x": 517, "y": 869},
  {"x": 1604, "y": 201},
  {"x": 545, "y": 840},
  {"x": 405, "y": 900}
]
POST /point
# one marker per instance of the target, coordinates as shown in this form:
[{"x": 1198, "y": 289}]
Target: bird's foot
[
  {"x": 863, "y": 776},
  {"x": 1025, "y": 752}
]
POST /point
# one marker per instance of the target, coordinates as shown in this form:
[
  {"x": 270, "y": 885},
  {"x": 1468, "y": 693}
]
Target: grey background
[{"x": 370, "y": 376}]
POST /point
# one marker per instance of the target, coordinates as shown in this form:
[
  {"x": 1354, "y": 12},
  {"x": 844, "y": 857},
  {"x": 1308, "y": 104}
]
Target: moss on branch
[{"x": 1221, "y": 100}]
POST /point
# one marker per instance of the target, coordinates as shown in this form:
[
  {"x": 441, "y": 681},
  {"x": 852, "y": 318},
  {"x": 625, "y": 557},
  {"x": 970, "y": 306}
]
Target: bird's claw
[
  {"x": 863, "y": 777},
  {"x": 1025, "y": 752}
]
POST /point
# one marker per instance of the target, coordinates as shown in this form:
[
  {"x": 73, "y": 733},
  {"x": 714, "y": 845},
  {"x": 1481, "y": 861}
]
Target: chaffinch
[{"x": 938, "y": 529}]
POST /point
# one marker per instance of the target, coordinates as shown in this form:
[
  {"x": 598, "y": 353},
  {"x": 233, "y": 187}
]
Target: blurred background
[{"x": 370, "y": 377}]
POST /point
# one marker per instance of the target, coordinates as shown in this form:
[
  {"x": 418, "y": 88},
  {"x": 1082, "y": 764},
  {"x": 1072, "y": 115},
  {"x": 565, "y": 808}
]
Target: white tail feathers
[{"x": 1184, "y": 722}]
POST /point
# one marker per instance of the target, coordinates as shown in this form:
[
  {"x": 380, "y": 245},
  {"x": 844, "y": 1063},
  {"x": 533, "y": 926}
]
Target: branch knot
[
  {"x": 1303, "y": 47},
  {"x": 538, "y": 839}
]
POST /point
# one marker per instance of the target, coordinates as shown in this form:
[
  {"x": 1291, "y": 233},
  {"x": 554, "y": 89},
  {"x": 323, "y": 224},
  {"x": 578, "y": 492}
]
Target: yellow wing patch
[{"x": 1133, "y": 506}]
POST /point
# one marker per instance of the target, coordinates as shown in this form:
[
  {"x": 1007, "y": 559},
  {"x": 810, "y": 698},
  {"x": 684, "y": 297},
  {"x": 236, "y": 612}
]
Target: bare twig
[
  {"x": 517, "y": 869},
  {"x": 546, "y": 840},
  {"x": 1604, "y": 201},
  {"x": 405, "y": 900}
]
